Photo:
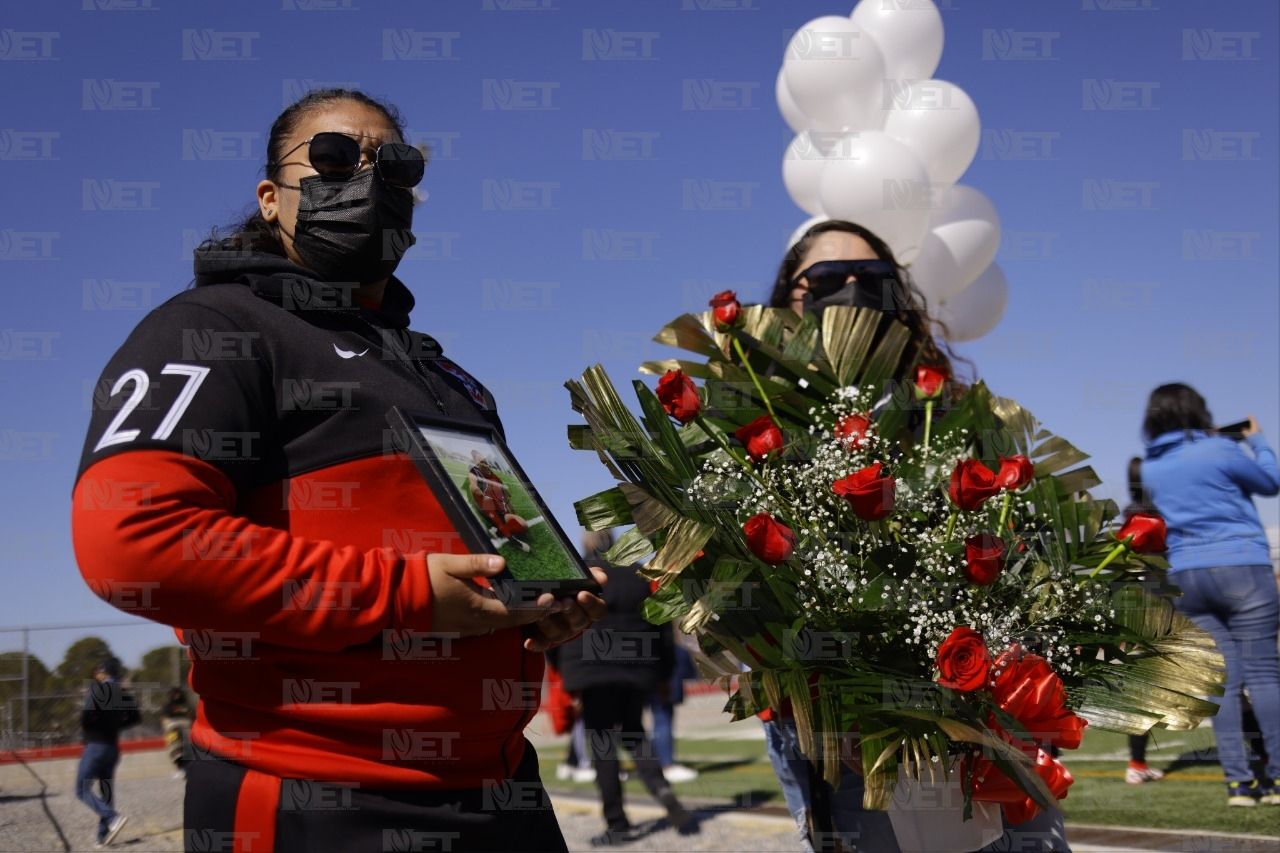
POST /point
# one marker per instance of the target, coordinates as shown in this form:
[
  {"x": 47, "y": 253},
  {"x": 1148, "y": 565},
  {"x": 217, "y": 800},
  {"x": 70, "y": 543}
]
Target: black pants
[
  {"x": 321, "y": 817},
  {"x": 611, "y": 717}
]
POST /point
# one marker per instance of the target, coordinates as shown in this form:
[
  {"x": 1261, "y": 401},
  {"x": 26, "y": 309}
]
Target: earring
[{"x": 269, "y": 214}]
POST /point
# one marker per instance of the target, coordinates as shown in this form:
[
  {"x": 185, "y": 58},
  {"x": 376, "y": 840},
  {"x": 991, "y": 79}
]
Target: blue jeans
[
  {"x": 578, "y": 745},
  {"x": 98, "y": 763},
  {"x": 783, "y": 747},
  {"x": 859, "y": 829},
  {"x": 663, "y": 737},
  {"x": 1240, "y": 608}
]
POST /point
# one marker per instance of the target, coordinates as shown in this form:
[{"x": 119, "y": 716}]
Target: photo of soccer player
[
  {"x": 510, "y": 516},
  {"x": 492, "y": 497}
]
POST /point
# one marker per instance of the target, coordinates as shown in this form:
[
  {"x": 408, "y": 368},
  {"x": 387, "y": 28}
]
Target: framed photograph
[{"x": 493, "y": 506}]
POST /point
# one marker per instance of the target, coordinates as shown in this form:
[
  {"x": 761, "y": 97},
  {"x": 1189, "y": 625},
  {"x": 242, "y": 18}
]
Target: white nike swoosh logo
[{"x": 347, "y": 353}]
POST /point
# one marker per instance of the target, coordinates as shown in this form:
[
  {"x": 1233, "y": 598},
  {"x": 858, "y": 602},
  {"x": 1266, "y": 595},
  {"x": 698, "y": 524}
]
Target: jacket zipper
[
  {"x": 420, "y": 371},
  {"x": 415, "y": 365}
]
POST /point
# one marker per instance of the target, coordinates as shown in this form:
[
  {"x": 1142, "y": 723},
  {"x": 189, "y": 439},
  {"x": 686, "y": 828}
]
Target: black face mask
[
  {"x": 354, "y": 230},
  {"x": 877, "y": 286}
]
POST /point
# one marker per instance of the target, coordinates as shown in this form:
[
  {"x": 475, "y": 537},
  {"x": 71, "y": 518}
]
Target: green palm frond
[
  {"x": 847, "y": 334},
  {"x": 688, "y": 332}
]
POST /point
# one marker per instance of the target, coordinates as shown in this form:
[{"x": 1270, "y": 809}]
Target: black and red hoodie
[{"x": 238, "y": 483}]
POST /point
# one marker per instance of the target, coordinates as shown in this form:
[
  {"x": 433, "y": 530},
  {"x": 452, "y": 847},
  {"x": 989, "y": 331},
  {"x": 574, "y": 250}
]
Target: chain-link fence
[
  {"x": 54, "y": 718},
  {"x": 45, "y": 673}
]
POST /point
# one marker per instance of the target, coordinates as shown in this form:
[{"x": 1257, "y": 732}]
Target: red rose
[
  {"x": 853, "y": 430},
  {"x": 725, "y": 309},
  {"x": 963, "y": 660},
  {"x": 1015, "y": 472},
  {"x": 761, "y": 437},
  {"x": 971, "y": 484},
  {"x": 770, "y": 540},
  {"x": 929, "y": 381},
  {"x": 1028, "y": 689},
  {"x": 1147, "y": 532},
  {"x": 984, "y": 558},
  {"x": 869, "y": 494},
  {"x": 679, "y": 396}
]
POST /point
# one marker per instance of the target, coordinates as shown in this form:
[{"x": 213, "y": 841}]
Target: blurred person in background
[
  {"x": 1202, "y": 483},
  {"x": 565, "y": 714},
  {"x": 613, "y": 668},
  {"x": 109, "y": 708},
  {"x": 662, "y": 704},
  {"x": 175, "y": 720},
  {"x": 1138, "y": 771}
]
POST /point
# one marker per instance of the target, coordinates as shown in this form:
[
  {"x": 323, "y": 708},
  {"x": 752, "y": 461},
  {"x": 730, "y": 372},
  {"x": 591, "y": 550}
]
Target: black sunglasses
[
  {"x": 337, "y": 156},
  {"x": 828, "y": 277}
]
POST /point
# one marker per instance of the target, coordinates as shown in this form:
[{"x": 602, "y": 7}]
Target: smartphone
[{"x": 1234, "y": 431}]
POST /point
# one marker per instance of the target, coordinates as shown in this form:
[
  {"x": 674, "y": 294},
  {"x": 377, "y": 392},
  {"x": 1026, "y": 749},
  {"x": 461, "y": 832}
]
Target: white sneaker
[
  {"x": 1136, "y": 776},
  {"x": 679, "y": 773},
  {"x": 113, "y": 829},
  {"x": 584, "y": 774},
  {"x": 564, "y": 772}
]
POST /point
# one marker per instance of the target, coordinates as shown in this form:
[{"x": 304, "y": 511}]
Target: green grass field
[
  {"x": 1191, "y": 797},
  {"x": 547, "y": 560}
]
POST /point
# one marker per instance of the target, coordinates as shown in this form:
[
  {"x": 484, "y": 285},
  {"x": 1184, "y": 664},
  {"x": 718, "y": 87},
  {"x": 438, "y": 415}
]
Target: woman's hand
[
  {"x": 567, "y": 618},
  {"x": 461, "y": 606}
]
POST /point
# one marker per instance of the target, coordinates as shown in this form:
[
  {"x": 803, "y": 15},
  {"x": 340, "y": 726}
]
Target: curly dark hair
[
  {"x": 255, "y": 234},
  {"x": 915, "y": 315}
]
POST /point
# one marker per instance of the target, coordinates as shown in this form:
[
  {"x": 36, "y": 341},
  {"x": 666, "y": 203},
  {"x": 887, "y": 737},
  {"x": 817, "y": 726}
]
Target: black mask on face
[
  {"x": 353, "y": 230},
  {"x": 877, "y": 286}
]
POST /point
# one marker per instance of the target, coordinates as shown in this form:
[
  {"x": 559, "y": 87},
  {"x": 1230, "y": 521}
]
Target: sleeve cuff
[{"x": 413, "y": 595}]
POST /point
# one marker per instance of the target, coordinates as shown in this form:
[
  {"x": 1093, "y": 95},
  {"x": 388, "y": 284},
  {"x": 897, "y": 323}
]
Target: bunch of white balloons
[{"x": 880, "y": 143}]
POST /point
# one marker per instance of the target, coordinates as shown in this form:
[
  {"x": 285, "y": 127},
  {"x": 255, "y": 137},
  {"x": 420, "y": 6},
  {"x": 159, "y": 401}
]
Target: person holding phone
[
  {"x": 1203, "y": 485},
  {"x": 237, "y": 483}
]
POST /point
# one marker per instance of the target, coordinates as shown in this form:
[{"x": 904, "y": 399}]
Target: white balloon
[
  {"x": 793, "y": 115},
  {"x": 879, "y": 183},
  {"x": 802, "y": 167},
  {"x": 799, "y": 232},
  {"x": 977, "y": 309},
  {"x": 936, "y": 272},
  {"x": 833, "y": 71},
  {"x": 939, "y": 121},
  {"x": 909, "y": 34},
  {"x": 964, "y": 234}
]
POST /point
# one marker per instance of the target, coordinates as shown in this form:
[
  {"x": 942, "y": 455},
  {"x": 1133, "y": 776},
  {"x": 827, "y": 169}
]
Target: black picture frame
[{"x": 435, "y": 445}]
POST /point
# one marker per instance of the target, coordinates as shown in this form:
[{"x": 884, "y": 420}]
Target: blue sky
[{"x": 1129, "y": 146}]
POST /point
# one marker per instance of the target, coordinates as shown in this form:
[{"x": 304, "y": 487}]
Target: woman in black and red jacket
[{"x": 359, "y": 690}]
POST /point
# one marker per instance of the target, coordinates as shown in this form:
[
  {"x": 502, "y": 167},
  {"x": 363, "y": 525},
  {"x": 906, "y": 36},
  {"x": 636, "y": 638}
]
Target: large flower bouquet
[{"x": 914, "y": 567}]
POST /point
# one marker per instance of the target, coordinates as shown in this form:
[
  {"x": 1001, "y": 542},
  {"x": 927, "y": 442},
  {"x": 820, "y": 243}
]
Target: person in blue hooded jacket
[{"x": 1203, "y": 483}]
